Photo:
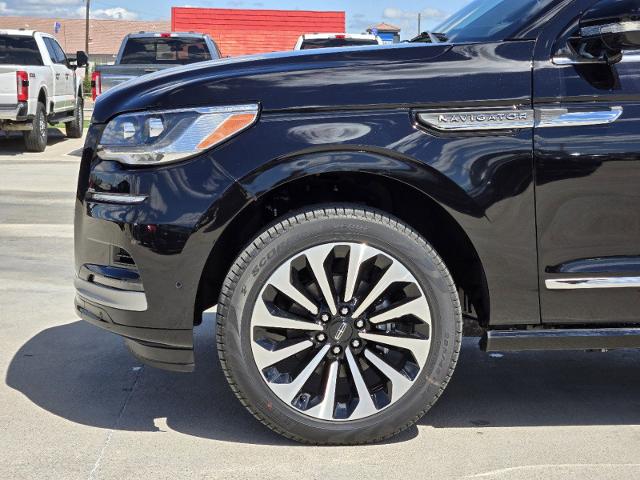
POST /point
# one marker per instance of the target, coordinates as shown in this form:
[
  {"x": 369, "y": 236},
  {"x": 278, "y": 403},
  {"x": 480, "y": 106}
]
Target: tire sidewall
[
  {"x": 76, "y": 126},
  {"x": 392, "y": 238},
  {"x": 38, "y": 136}
]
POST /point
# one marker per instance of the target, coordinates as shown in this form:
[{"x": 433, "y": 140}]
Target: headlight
[{"x": 150, "y": 138}]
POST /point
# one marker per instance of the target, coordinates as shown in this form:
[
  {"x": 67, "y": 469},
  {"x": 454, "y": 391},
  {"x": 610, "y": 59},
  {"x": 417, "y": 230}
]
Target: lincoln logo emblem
[{"x": 341, "y": 330}]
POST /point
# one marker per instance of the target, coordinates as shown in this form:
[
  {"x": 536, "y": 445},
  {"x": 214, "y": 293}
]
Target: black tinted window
[
  {"x": 490, "y": 20},
  {"x": 335, "y": 42},
  {"x": 165, "y": 50},
  {"x": 19, "y": 50}
]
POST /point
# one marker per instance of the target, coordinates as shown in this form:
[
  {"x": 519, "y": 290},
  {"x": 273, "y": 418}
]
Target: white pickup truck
[{"x": 38, "y": 85}]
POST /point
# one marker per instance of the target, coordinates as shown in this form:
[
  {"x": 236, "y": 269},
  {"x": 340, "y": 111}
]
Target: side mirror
[
  {"x": 82, "y": 59},
  {"x": 608, "y": 28}
]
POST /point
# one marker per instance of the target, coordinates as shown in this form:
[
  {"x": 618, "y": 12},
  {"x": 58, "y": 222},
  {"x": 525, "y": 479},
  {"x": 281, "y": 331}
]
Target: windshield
[
  {"x": 491, "y": 20},
  {"x": 19, "y": 50},
  {"x": 165, "y": 51},
  {"x": 336, "y": 42}
]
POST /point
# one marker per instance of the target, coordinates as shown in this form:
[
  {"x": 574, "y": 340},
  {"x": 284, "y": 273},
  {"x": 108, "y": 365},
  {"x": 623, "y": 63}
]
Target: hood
[{"x": 323, "y": 78}]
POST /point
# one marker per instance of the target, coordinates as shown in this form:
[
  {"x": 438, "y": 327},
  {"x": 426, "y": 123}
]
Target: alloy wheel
[{"x": 341, "y": 331}]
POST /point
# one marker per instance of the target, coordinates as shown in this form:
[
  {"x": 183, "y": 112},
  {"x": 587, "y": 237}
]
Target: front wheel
[{"x": 338, "y": 325}]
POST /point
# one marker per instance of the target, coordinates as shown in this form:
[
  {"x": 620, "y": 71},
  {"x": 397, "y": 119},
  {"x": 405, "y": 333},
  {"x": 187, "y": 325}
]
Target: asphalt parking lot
[{"x": 74, "y": 404}]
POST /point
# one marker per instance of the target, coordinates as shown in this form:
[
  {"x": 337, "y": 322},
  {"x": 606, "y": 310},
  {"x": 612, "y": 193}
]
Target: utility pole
[
  {"x": 86, "y": 29},
  {"x": 419, "y": 18}
]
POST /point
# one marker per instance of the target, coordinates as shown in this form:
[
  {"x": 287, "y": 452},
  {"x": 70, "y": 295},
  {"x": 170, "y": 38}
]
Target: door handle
[
  {"x": 563, "y": 117},
  {"x": 57, "y": 76}
]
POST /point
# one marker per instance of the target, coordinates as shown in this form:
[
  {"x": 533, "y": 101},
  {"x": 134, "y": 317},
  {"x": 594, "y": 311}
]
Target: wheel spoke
[
  {"x": 365, "y": 405},
  {"x": 265, "y": 358},
  {"x": 395, "y": 273},
  {"x": 400, "y": 383},
  {"x": 418, "y": 346},
  {"x": 357, "y": 255},
  {"x": 325, "y": 408},
  {"x": 282, "y": 282},
  {"x": 287, "y": 391},
  {"x": 316, "y": 257},
  {"x": 418, "y": 307},
  {"x": 262, "y": 317}
]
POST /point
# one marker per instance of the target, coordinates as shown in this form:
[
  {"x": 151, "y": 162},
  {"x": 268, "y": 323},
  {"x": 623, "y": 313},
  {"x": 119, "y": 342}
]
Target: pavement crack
[{"x": 116, "y": 424}]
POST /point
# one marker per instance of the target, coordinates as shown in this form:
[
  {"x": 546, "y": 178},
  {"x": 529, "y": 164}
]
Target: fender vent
[{"x": 119, "y": 256}]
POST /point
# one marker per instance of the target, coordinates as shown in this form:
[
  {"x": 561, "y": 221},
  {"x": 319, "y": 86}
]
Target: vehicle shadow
[
  {"x": 86, "y": 375},
  {"x": 13, "y": 143}
]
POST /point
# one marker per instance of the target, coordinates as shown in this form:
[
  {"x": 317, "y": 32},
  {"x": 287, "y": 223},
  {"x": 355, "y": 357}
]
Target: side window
[
  {"x": 60, "y": 56},
  {"x": 50, "y": 50},
  {"x": 55, "y": 51}
]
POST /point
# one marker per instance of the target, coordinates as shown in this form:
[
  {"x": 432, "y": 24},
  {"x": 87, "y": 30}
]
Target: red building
[{"x": 242, "y": 32}]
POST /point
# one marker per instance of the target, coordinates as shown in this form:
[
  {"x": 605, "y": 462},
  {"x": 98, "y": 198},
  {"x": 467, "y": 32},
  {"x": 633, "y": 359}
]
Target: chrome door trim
[
  {"x": 631, "y": 56},
  {"x": 461, "y": 120},
  {"x": 563, "y": 117},
  {"x": 628, "y": 56},
  {"x": 611, "y": 28},
  {"x": 480, "y": 120},
  {"x": 593, "y": 282}
]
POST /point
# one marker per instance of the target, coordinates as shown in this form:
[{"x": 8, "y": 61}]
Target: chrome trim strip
[
  {"x": 629, "y": 56},
  {"x": 116, "y": 198},
  {"x": 564, "y": 60},
  {"x": 562, "y": 117},
  {"x": 594, "y": 282},
  {"x": 622, "y": 27},
  {"x": 111, "y": 297},
  {"x": 455, "y": 121},
  {"x": 111, "y": 282}
]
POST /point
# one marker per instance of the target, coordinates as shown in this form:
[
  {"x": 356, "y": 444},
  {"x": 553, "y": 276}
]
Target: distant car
[
  {"x": 327, "y": 40},
  {"x": 148, "y": 52},
  {"x": 38, "y": 85}
]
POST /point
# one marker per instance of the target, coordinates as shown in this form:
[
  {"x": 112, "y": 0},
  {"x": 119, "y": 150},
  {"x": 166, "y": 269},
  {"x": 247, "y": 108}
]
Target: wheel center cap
[{"x": 340, "y": 331}]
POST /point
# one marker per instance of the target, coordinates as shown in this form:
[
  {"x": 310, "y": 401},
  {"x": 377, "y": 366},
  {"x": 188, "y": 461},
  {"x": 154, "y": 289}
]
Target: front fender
[{"x": 485, "y": 182}]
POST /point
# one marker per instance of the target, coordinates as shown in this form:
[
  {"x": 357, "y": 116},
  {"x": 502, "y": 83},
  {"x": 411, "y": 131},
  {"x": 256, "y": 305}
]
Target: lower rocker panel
[{"x": 560, "y": 339}]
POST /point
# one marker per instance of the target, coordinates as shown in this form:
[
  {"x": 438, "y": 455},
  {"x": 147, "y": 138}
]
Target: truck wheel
[
  {"x": 35, "y": 139},
  {"x": 75, "y": 127},
  {"x": 338, "y": 325}
]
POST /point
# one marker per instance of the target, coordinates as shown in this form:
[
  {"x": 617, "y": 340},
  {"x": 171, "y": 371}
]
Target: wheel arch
[
  {"x": 355, "y": 178},
  {"x": 43, "y": 97}
]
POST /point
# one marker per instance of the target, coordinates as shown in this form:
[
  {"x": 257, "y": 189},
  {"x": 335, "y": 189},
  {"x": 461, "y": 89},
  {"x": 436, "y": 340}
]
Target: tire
[
  {"x": 35, "y": 140},
  {"x": 75, "y": 127},
  {"x": 357, "y": 250}
]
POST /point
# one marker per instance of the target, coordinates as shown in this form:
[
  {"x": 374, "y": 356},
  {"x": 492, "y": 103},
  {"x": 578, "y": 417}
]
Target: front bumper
[
  {"x": 167, "y": 236},
  {"x": 168, "y": 349}
]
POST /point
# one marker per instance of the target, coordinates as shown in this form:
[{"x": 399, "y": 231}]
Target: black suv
[{"x": 347, "y": 208}]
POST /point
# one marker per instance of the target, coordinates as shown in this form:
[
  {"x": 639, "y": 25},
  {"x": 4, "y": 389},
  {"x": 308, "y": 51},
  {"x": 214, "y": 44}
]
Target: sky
[{"x": 360, "y": 13}]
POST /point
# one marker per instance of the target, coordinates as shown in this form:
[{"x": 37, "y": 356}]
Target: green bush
[{"x": 86, "y": 88}]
